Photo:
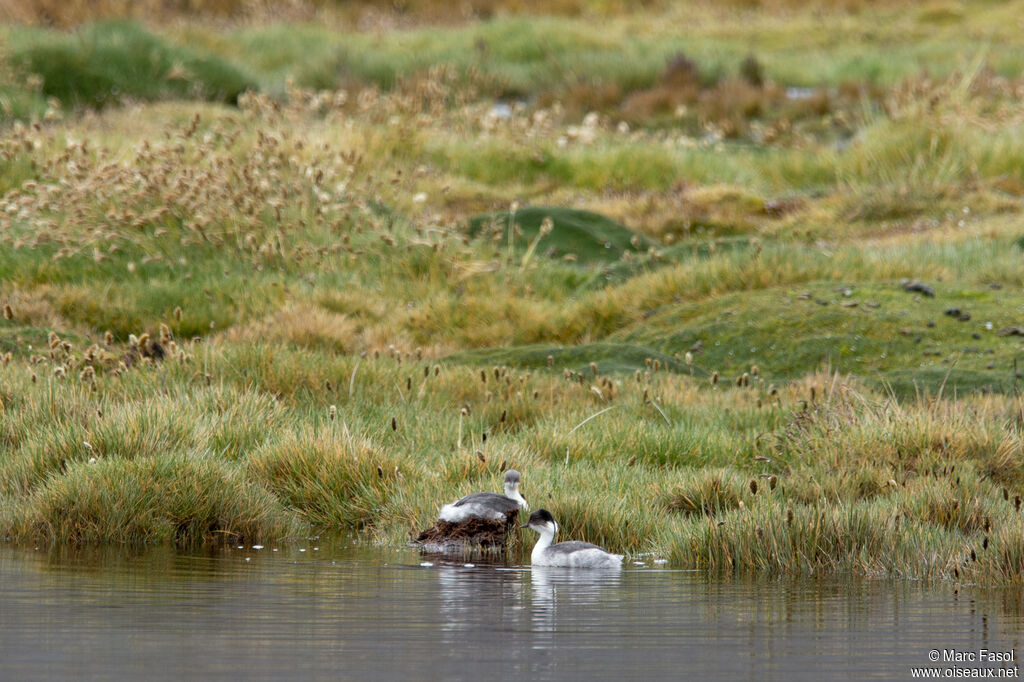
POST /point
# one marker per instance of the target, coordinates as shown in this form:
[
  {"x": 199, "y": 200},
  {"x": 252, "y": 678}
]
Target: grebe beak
[{"x": 525, "y": 525}]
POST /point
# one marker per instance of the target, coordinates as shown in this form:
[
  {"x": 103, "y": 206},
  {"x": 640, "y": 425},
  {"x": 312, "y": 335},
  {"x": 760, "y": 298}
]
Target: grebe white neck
[
  {"x": 547, "y": 535},
  {"x": 512, "y": 490}
]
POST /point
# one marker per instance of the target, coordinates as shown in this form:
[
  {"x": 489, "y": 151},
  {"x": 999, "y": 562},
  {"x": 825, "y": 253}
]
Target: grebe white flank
[{"x": 572, "y": 554}]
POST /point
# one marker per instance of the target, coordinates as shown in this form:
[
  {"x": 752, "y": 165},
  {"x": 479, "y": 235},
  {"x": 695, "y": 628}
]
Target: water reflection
[
  {"x": 584, "y": 594},
  {"x": 551, "y": 585},
  {"x": 340, "y": 608},
  {"x": 463, "y": 589}
]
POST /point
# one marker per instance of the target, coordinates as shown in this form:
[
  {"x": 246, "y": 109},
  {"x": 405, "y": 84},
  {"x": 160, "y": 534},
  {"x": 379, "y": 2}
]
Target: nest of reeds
[{"x": 469, "y": 533}]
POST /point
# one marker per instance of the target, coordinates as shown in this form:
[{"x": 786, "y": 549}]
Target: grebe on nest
[
  {"x": 572, "y": 554},
  {"x": 477, "y": 519}
]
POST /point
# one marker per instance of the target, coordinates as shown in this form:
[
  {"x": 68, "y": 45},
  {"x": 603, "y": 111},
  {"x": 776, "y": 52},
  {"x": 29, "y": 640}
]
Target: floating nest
[{"x": 469, "y": 534}]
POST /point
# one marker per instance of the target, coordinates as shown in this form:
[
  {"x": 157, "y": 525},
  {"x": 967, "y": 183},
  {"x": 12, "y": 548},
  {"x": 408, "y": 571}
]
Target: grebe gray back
[
  {"x": 573, "y": 554},
  {"x": 477, "y": 519}
]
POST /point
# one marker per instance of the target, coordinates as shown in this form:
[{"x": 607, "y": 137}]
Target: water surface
[{"x": 345, "y": 610}]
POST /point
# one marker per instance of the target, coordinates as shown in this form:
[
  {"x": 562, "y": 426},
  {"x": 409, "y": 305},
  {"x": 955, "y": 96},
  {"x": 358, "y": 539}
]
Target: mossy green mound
[
  {"x": 589, "y": 238},
  {"x": 875, "y": 330},
  {"x": 106, "y": 62}
]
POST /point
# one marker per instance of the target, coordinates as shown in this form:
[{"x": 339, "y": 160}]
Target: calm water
[{"x": 347, "y": 611}]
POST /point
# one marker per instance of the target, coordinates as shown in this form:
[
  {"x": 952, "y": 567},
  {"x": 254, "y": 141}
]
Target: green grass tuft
[
  {"x": 172, "y": 498},
  {"x": 332, "y": 479}
]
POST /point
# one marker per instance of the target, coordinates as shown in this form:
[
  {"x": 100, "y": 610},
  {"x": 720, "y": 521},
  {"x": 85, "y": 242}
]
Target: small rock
[{"x": 918, "y": 287}]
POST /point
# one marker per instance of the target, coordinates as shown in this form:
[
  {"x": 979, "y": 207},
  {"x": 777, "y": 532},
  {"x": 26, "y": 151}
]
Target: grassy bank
[{"x": 237, "y": 307}]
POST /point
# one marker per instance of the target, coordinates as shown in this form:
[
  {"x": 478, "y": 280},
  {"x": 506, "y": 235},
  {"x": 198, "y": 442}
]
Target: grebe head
[
  {"x": 512, "y": 488},
  {"x": 512, "y": 479},
  {"x": 542, "y": 522}
]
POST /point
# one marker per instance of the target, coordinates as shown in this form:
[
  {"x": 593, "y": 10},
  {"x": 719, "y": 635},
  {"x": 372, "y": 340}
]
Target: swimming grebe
[
  {"x": 477, "y": 519},
  {"x": 572, "y": 554}
]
